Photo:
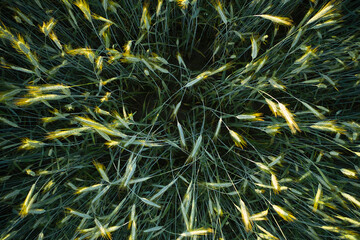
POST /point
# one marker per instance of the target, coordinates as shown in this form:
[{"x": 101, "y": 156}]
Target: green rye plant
[{"x": 186, "y": 119}]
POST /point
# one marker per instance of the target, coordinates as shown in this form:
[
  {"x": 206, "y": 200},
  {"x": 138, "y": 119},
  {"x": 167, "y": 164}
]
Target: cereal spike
[
  {"x": 48, "y": 26},
  {"x": 259, "y": 216},
  {"x": 146, "y": 18},
  {"x": 328, "y": 8},
  {"x": 103, "y": 231},
  {"x": 288, "y": 116},
  {"x": 254, "y": 47},
  {"x": 351, "y": 199},
  {"x": 196, "y": 232},
  {"x": 29, "y": 144},
  {"x": 25, "y": 207},
  {"x": 183, "y": 3},
  {"x": 250, "y": 117},
  {"x": 217, "y": 131},
  {"x": 275, "y": 184},
  {"x": 84, "y": 7},
  {"x": 181, "y": 133},
  {"x": 287, "y": 216},
  {"x": 272, "y": 106},
  {"x": 238, "y": 139},
  {"x": 317, "y": 197},
  {"x": 101, "y": 169},
  {"x": 276, "y": 19},
  {"x": 245, "y": 216},
  {"x": 219, "y": 9},
  {"x": 350, "y": 173},
  {"x": 195, "y": 149},
  {"x": 158, "y": 8}
]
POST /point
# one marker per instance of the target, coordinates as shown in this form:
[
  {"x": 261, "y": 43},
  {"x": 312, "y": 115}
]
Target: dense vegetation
[{"x": 187, "y": 119}]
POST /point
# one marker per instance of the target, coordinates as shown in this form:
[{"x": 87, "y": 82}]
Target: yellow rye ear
[
  {"x": 238, "y": 139},
  {"x": 278, "y": 20}
]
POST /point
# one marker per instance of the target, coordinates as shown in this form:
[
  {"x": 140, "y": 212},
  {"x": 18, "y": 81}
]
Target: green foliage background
[{"x": 153, "y": 120}]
